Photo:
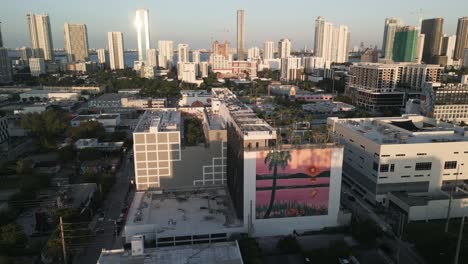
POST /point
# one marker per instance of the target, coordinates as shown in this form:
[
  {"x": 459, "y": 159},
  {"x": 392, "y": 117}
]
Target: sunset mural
[{"x": 302, "y": 186}]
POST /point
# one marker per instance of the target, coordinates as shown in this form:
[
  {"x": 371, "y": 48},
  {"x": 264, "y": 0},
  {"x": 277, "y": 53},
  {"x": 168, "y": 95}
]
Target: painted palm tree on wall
[{"x": 276, "y": 157}]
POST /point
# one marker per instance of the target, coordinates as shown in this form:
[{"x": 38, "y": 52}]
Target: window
[
  {"x": 384, "y": 168},
  {"x": 419, "y": 175},
  {"x": 385, "y": 155},
  {"x": 392, "y": 167},
  {"x": 400, "y": 155},
  {"x": 383, "y": 177},
  {"x": 375, "y": 166},
  {"x": 422, "y": 154},
  {"x": 351, "y": 140},
  {"x": 455, "y": 153},
  {"x": 405, "y": 176},
  {"x": 450, "y": 165},
  {"x": 350, "y": 151},
  {"x": 362, "y": 146},
  {"x": 423, "y": 166},
  {"x": 408, "y": 167}
]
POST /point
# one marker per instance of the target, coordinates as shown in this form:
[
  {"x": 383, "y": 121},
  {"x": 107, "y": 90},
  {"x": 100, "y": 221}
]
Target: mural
[{"x": 292, "y": 183}]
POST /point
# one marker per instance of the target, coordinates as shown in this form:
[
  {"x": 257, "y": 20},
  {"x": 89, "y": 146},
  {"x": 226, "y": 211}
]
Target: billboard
[{"x": 302, "y": 183}]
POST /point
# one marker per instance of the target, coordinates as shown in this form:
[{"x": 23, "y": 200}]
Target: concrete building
[
  {"x": 462, "y": 38},
  {"x": 220, "y": 64},
  {"x": 76, "y": 89},
  {"x": 420, "y": 48},
  {"x": 405, "y": 44},
  {"x": 82, "y": 67},
  {"x": 37, "y": 66},
  {"x": 50, "y": 95},
  {"x": 216, "y": 253},
  {"x": 148, "y": 72},
  {"x": 328, "y": 109},
  {"x": 374, "y": 86},
  {"x": 253, "y": 53},
  {"x": 143, "y": 33},
  {"x": 6, "y": 75},
  {"x": 166, "y": 53},
  {"x": 25, "y": 54},
  {"x": 188, "y": 72},
  {"x": 116, "y": 50},
  {"x": 447, "y": 50},
  {"x": 268, "y": 50},
  {"x": 243, "y": 69},
  {"x": 183, "y": 53},
  {"x": 76, "y": 42},
  {"x": 108, "y": 121},
  {"x": 240, "y": 35},
  {"x": 447, "y": 102},
  {"x": 284, "y": 48},
  {"x": 390, "y": 28},
  {"x": 194, "y": 98},
  {"x": 40, "y": 35},
  {"x": 203, "y": 69},
  {"x": 196, "y": 56},
  {"x": 218, "y": 48},
  {"x": 331, "y": 43},
  {"x": 151, "y": 58},
  {"x": 143, "y": 103},
  {"x": 103, "y": 57},
  {"x": 1, "y": 37},
  {"x": 465, "y": 58},
  {"x": 291, "y": 68},
  {"x": 107, "y": 100},
  {"x": 395, "y": 156},
  {"x": 433, "y": 30}
]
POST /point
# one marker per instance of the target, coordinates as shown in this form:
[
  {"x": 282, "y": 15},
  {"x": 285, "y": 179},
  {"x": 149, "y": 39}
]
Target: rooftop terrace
[{"x": 408, "y": 129}]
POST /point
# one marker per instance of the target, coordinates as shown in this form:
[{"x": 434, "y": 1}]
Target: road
[
  {"x": 364, "y": 210},
  {"x": 112, "y": 207}
]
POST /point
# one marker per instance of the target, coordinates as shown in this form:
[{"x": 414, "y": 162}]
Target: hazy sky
[{"x": 197, "y": 21}]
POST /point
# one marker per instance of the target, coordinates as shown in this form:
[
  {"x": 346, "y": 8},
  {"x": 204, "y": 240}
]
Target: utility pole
[
  {"x": 64, "y": 249},
  {"x": 460, "y": 236},
  {"x": 451, "y": 198}
]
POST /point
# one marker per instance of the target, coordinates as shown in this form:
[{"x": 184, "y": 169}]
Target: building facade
[
  {"x": 433, "y": 31},
  {"x": 390, "y": 28},
  {"x": 405, "y": 43},
  {"x": 166, "y": 53},
  {"x": 268, "y": 50},
  {"x": 183, "y": 53},
  {"x": 462, "y": 38},
  {"x": 76, "y": 42},
  {"x": 41, "y": 36},
  {"x": 143, "y": 33},
  {"x": 116, "y": 50},
  {"x": 37, "y": 66},
  {"x": 284, "y": 48},
  {"x": 6, "y": 75},
  {"x": 240, "y": 34}
]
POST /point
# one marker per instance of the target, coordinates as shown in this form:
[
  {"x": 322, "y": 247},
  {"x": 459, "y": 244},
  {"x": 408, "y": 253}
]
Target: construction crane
[{"x": 419, "y": 14}]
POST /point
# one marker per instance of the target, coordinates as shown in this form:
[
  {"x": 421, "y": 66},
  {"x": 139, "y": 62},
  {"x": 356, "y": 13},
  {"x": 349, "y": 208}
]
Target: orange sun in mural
[{"x": 311, "y": 170}]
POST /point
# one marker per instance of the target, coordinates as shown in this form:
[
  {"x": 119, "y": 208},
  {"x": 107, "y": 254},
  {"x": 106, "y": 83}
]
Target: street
[{"x": 112, "y": 208}]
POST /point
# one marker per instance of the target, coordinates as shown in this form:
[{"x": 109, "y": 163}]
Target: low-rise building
[
  {"x": 80, "y": 89},
  {"x": 328, "y": 108},
  {"x": 448, "y": 102},
  {"x": 49, "y": 95},
  {"x": 108, "y": 121},
  {"x": 195, "y": 98},
  {"x": 94, "y": 143},
  {"x": 82, "y": 67},
  {"x": 143, "y": 103},
  {"x": 108, "y": 100}
]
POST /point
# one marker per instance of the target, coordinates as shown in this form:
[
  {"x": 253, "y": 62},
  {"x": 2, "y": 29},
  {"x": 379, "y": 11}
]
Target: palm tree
[{"x": 275, "y": 158}]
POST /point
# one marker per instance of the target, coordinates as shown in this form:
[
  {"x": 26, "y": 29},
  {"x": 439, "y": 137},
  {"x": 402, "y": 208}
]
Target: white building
[
  {"x": 391, "y": 25},
  {"x": 196, "y": 56},
  {"x": 448, "y": 48},
  {"x": 103, "y": 57},
  {"x": 183, "y": 53},
  {"x": 291, "y": 68},
  {"x": 219, "y": 63},
  {"x": 268, "y": 50},
  {"x": 188, "y": 72},
  {"x": 240, "y": 34},
  {"x": 412, "y": 154},
  {"x": 311, "y": 63},
  {"x": 143, "y": 33},
  {"x": 419, "y": 48},
  {"x": 116, "y": 50},
  {"x": 151, "y": 58},
  {"x": 166, "y": 53},
  {"x": 253, "y": 53},
  {"x": 194, "y": 98},
  {"x": 37, "y": 66},
  {"x": 284, "y": 48},
  {"x": 203, "y": 69},
  {"x": 40, "y": 36},
  {"x": 331, "y": 43},
  {"x": 50, "y": 95},
  {"x": 76, "y": 42}
]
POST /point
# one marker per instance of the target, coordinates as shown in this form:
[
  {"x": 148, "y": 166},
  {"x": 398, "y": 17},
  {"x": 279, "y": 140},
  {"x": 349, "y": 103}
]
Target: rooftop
[
  {"x": 407, "y": 129},
  {"x": 181, "y": 213},
  {"x": 167, "y": 119},
  {"x": 95, "y": 117},
  {"x": 109, "y": 97},
  {"x": 215, "y": 253}
]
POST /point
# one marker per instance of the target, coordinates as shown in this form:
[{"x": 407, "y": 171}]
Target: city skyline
[{"x": 364, "y": 24}]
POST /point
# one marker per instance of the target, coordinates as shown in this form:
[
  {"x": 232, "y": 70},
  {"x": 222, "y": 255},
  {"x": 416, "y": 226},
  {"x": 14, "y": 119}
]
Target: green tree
[
  {"x": 275, "y": 158},
  {"x": 89, "y": 129},
  {"x": 12, "y": 238}
]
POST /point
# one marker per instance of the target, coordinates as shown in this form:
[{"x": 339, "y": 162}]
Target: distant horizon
[{"x": 197, "y": 24}]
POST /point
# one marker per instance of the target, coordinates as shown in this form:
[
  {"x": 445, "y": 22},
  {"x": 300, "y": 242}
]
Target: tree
[
  {"x": 88, "y": 129},
  {"x": 275, "y": 158},
  {"x": 12, "y": 239}
]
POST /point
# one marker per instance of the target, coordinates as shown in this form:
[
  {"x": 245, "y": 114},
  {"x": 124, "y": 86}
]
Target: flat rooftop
[
  {"x": 168, "y": 119},
  {"x": 95, "y": 117},
  {"x": 243, "y": 116},
  {"x": 215, "y": 253},
  {"x": 181, "y": 213},
  {"x": 408, "y": 129}
]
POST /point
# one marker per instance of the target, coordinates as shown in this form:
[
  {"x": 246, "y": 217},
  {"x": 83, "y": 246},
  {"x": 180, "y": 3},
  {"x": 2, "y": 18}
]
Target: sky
[{"x": 196, "y": 22}]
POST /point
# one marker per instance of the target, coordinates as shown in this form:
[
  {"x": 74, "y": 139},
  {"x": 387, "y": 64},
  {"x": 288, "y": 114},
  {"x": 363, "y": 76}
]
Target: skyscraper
[
  {"x": 142, "y": 26},
  {"x": 331, "y": 43},
  {"x": 1, "y": 39},
  {"x": 419, "y": 48},
  {"x": 151, "y": 58},
  {"x": 432, "y": 29},
  {"x": 448, "y": 49},
  {"x": 103, "y": 57},
  {"x": 268, "y": 50},
  {"x": 25, "y": 54},
  {"x": 196, "y": 56},
  {"x": 284, "y": 48},
  {"x": 183, "y": 52},
  {"x": 391, "y": 25},
  {"x": 240, "y": 34},
  {"x": 166, "y": 53},
  {"x": 40, "y": 36},
  {"x": 116, "y": 50},
  {"x": 405, "y": 44},
  {"x": 5, "y": 64},
  {"x": 253, "y": 53},
  {"x": 76, "y": 42},
  {"x": 462, "y": 38}
]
